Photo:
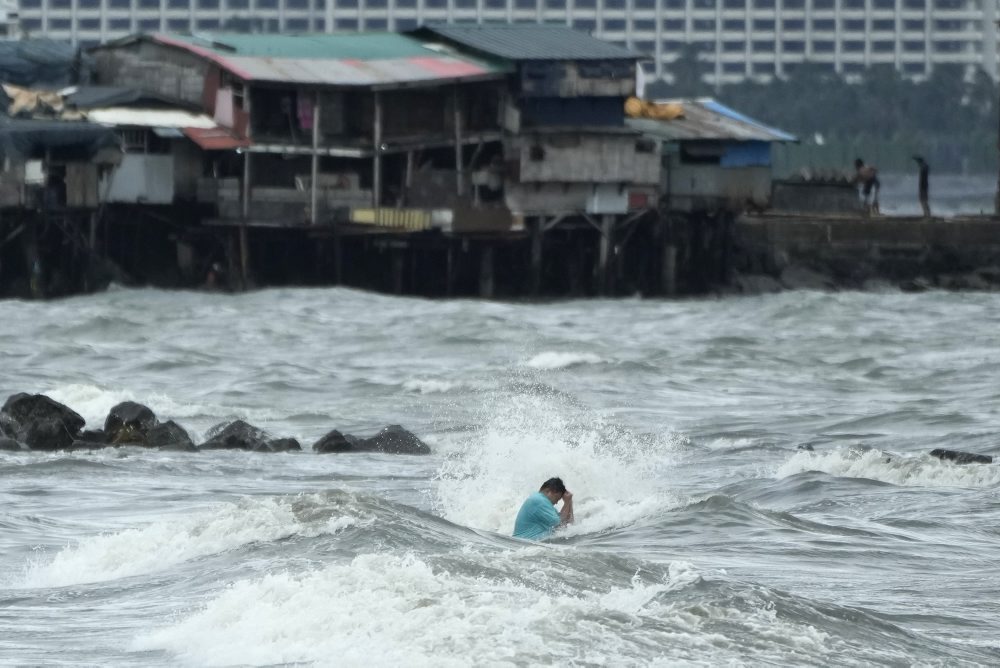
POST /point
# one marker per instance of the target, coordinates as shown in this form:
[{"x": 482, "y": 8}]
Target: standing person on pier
[
  {"x": 867, "y": 177},
  {"x": 923, "y": 185}
]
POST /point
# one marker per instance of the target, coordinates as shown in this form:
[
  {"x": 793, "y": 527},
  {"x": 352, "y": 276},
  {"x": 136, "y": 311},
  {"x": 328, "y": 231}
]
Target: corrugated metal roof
[
  {"x": 530, "y": 41},
  {"x": 367, "y": 59},
  {"x": 708, "y": 119}
]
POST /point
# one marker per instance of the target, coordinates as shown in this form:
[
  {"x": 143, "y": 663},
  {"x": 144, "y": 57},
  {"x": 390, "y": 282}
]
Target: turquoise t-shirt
[{"x": 537, "y": 518}]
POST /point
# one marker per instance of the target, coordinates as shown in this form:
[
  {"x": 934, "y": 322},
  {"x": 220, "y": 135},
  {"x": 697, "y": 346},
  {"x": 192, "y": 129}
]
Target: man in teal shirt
[{"x": 538, "y": 516}]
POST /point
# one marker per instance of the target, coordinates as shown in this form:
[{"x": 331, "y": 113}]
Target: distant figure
[
  {"x": 215, "y": 279},
  {"x": 867, "y": 177},
  {"x": 538, "y": 516},
  {"x": 923, "y": 187}
]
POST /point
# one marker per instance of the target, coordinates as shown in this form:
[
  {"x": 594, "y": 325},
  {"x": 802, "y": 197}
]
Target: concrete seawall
[{"x": 826, "y": 252}]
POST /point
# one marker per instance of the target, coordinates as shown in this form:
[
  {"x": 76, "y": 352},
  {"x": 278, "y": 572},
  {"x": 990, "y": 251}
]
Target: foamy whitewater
[{"x": 707, "y": 532}]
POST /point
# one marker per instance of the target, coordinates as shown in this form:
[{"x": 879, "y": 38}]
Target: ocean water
[{"x": 705, "y": 534}]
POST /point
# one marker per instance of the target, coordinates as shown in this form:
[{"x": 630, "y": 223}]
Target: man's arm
[{"x": 566, "y": 514}]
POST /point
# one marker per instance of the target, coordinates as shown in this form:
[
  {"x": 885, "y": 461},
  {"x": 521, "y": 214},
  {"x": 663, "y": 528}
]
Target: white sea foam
[
  {"x": 616, "y": 477},
  {"x": 163, "y": 544},
  {"x": 551, "y": 359},
  {"x": 93, "y": 403},
  {"x": 430, "y": 386},
  {"x": 903, "y": 470},
  {"x": 383, "y": 610}
]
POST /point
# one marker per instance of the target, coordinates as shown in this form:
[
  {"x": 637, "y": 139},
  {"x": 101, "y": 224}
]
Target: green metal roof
[{"x": 356, "y": 46}]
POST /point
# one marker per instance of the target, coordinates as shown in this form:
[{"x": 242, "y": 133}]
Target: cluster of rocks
[{"x": 36, "y": 422}]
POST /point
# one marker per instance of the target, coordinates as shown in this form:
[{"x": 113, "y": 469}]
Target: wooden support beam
[
  {"x": 313, "y": 199},
  {"x": 377, "y": 166},
  {"x": 537, "y": 237},
  {"x": 459, "y": 168},
  {"x": 604, "y": 259},
  {"x": 398, "y": 264},
  {"x": 451, "y": 271},
  {"x": 486, "y": 279},
  {"x": 408, "y": 179}
]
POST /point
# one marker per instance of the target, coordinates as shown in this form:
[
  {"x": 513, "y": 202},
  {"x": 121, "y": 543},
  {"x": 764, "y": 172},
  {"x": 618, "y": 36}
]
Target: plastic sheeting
[
  {"x": 41, "y": 63},
  {"x": 32, "y": 139}
]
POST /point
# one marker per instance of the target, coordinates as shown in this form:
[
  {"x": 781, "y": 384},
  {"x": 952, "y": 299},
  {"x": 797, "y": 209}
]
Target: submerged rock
[
  {"x": 335, "y": 442},
  {"x": 396, "y": 440},
  {"x": 797, "y": 277},
  {"x": 170, "y": 436},
  {"x": 237, "y": 435},
  {"x": 128, "y": 423},
  {"x": 961, "y": 457},
  {"x": 284, "y": 445},
  {"x": 40, "y": 422}
]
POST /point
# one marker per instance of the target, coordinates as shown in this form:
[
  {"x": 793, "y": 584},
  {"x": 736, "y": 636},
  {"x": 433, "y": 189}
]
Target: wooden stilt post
[
  {"x": 537, "y": 232},
  {"x": 244, "y": 249},
  {"x": 338, "y": 257},
  {"x": 377, "y": 148},
  {"x": 486, "y": 273},
  {"x": 313, "y": 191},
  {"x": 92, "y": 237},
  {"x": 398, "y": 264},
  {"x": 604, "y": 259},
  {"x": 408, "y": 180},
  {"x": 459, "y": 168},
  {"x": 450, "y": 287}
]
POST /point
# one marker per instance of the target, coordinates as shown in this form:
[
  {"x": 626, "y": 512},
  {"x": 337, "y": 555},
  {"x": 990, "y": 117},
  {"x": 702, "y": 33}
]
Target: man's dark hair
[{"x": 554, "y": 484}]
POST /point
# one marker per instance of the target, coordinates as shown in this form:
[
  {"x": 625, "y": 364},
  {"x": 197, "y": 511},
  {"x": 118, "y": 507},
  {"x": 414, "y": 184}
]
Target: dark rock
[
  {"x": 284, "y": 445},
  {"x": 7, "y": 443},
  {"x": 94, "y": 436},
  {"x": 395, "y": 440},
  {"x": 961, "y": 457},
  {"x": 335, "y": 442},
  {"x": 238, "y": 435},
  {"x": 40, "y": 422},
  {"x": 129, "y": 422},
  {"x": 84, "y": 444},
  {"x": 805, "y": 446},
  {"x": 918, "y": 284},
  {"x": 171, "y": 436},
  {"x": 757, "y": 284}
]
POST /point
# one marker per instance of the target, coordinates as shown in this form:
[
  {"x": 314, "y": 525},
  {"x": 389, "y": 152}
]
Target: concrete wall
[
  {"x": 152, "y": 67},
  {"x": 691, "y": 187},
  {"x": 147, "y": 179}
]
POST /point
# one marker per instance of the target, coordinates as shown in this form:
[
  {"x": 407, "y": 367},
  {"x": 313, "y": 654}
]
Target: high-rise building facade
[{"x": 742, "y": 38}]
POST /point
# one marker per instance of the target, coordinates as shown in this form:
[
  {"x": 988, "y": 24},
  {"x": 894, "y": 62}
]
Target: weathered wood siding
[{"x": 584, "y": 158}]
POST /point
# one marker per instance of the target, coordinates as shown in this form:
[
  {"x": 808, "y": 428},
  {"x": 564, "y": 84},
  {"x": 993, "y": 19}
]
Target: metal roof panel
[
  {"x": 707, "y": 119},
  {"x": 530, "y": 41}
]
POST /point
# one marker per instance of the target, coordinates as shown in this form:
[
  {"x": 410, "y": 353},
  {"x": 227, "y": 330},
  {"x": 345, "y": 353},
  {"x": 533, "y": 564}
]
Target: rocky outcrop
[
  {"x": 393, "y": 439},
  {"x": 128, "y": 423},
  {"x": 961, "y": 457},
  {"x": 39, "y": 422},
  {"x": 170, "y": 436},
  {"x": 36, "y": 422}
]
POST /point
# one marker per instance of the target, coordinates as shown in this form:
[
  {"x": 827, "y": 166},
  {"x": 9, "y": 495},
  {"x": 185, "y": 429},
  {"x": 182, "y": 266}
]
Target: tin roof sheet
[
  {"x": 367, "y": 59},
  {"x": 150, "y": 118},
  {"x": 529, "y": 41},
  {"x": 707, "y": 119}
]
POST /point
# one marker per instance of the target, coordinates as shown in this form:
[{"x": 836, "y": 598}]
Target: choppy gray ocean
[{"x": 704, "y": 535}]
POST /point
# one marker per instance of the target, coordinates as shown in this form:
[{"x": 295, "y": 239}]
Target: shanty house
[
  {"x": 712, "y": 157},
  {"x": 312, "y": 128}
]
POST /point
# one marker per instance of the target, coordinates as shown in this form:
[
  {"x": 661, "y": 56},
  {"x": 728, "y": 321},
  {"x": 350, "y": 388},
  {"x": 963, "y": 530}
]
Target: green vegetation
[{"x": 885, "y": 118}]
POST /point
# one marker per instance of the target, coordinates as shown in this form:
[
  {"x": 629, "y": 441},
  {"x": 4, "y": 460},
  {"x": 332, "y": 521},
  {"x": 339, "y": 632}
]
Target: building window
[
  {"x": 883, "y": 47},
  {"x": 854, "y": 46},
  {"x": 915, "y": 4},
  {"x": 350, "y": 4},
  {"x": 734, "y": 4},
  {"x": 644, "y": 4},
  {"x": 376, "y": 24},
  {"x": 586, "y": 25},
  {"x": 763, "y": 46},
  {"x": 823, "y": 47},
  {"x": 733, "y": 47},
  {"x": 179, "y": 4},
  {"x": 854, "y": 4},
  {"x": 614, "y": 25},
  {"x": 914, "y": 69},
  {"x": 674, "y": 4},
  {"x": 793, "y": 46},
  {"x": 763, "y": 69},
  {"x": 644, "y": 25},
  {"x": 945, "y": 26},
  {"x": 59, "y": 4},
  {"x": 614, "y": 4},
  {"x": 853, "y": 68},
  {"x": 884, "y": 25},
  {"x": 734, "y": 68},
  {"x": 299, "y": 4},
  {"x": 582, "y": 4},
  {"x": 403, "y": 25},
  {"x": 237, "y": 4},
  {"x": 822, "y": 4},
  {"x": 149, "y": 4},
  {"x": 704, "y": 4},
  {"x": 854, "y": 25},
  {"x": 644, "y": 46},
  {"x": 31, "y": 25},
  {"x": 672, "y": 45},
  {"x": 884, "y": 4},
  {"x": 763, "y": 4},
  {"x": 412, "y": 3},
  {"x": 208, "y": 24},
  {"x": 267, "y": 4},
  {"x": 763, "y": 25},
  {"x": 913, "y": 25},
  {"x": 824, "y": 24},
  {"x": 704, "y": 25},
  {"x": 674, "y": 25},
  {"x": 60, "y": 24},
  {"x": 520, "y": 4},
  {"x": 31, "y": 4},
  {"x": 149, "y": 25},
  {"x": 85, "y": 4},
  {"x": 346, "y": 24},
  {"x": 948, "y": 47},
  {"x": 913, "y": 46},
  {"x": 297, "y": 25},
  {"x": 734, "y": 25},
  {"x": 793, "y": 24},
  {"x": 178, "y": 25},
  {"x": 793, "y": 4},
  {"x": 949, "y": 4}
]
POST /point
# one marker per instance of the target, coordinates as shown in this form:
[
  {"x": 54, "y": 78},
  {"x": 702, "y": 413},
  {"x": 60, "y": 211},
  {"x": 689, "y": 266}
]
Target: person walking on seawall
[
  {"x": 923, "y": 185},
  {"x": 538, "y": 517},
  {"x": 867, "y": 177}
]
